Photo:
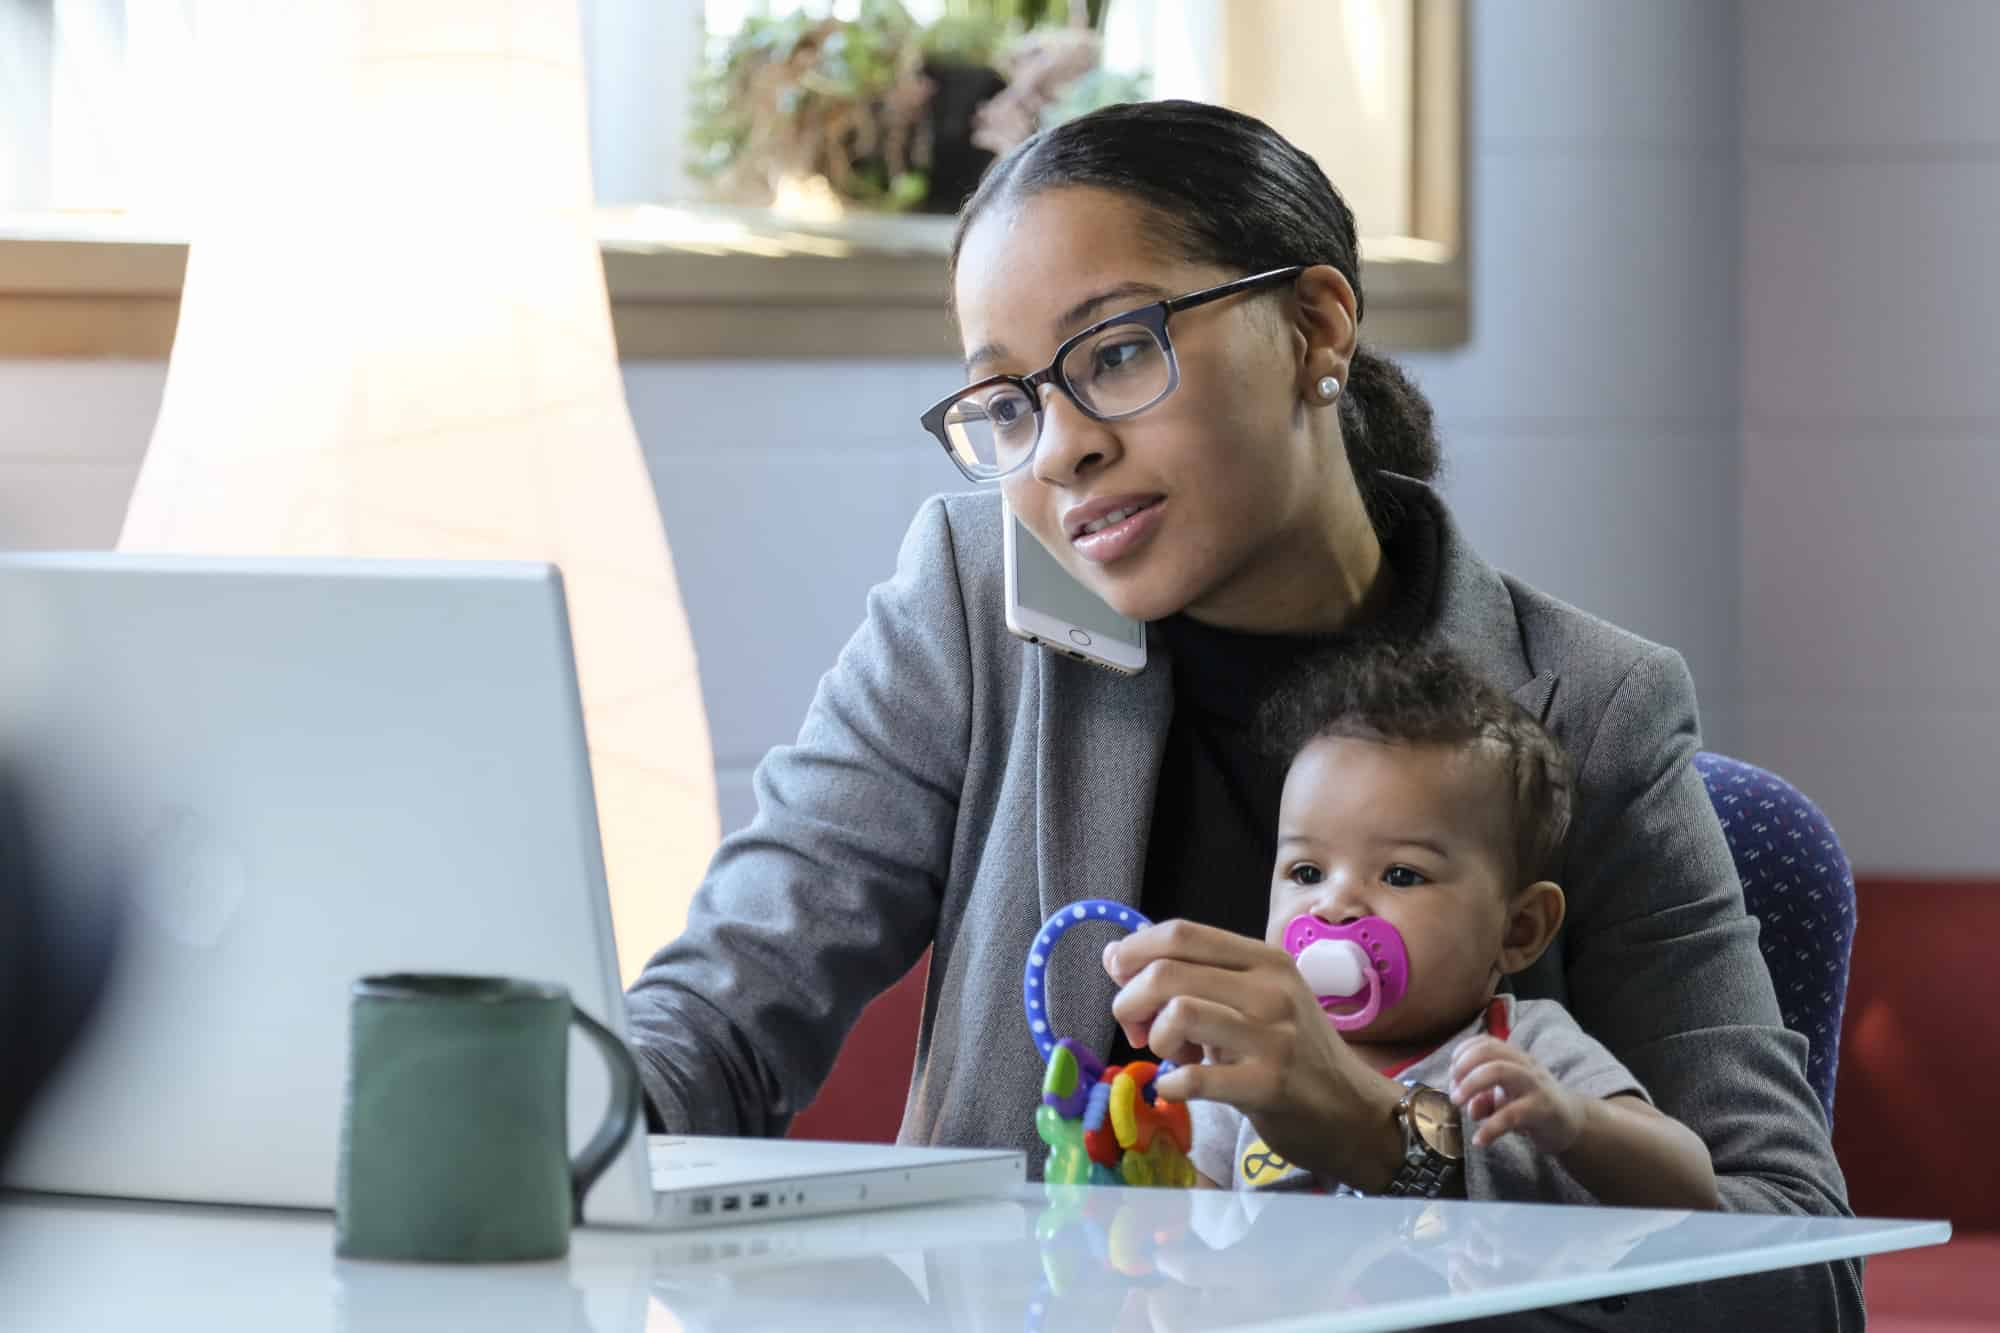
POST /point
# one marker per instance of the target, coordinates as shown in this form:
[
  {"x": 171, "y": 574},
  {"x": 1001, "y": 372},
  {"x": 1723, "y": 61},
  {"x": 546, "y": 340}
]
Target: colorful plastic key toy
[{"x": 1103, "y": 1125}]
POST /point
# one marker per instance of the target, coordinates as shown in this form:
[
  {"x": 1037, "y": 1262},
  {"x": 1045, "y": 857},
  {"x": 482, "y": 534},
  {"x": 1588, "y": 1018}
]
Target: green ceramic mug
[{"x": 454, "y": 1139}]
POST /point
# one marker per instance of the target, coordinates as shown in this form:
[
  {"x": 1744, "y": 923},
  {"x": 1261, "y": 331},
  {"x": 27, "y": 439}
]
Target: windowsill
[{"x": 685, "y": 282}]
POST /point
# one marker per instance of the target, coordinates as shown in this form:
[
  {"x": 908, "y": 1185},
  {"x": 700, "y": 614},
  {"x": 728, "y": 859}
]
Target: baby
[{"x": 1422, "y": 816}]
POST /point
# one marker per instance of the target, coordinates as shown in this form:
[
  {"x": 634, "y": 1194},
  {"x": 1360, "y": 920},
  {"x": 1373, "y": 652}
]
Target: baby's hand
[{"x": 1505, "y": 1089}]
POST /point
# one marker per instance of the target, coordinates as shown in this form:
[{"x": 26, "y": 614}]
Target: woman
[{"x": 951, "y": 786}]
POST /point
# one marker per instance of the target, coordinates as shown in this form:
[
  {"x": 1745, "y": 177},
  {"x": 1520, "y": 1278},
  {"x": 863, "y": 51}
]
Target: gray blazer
[{"x": 952, "y": 786}]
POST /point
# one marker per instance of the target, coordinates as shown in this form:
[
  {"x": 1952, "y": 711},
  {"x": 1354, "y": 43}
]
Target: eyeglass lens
[{"x": 1113, "y": 373}]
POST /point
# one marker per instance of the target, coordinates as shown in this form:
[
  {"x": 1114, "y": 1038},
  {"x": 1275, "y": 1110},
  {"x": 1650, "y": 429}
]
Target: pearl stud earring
[{"x": 1329, "y": 387}]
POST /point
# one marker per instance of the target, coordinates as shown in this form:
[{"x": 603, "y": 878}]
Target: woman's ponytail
[{"x": 1387, "y": 425}]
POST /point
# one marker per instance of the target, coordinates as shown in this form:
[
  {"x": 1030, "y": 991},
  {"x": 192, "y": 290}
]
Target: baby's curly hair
[{"x": 1395, "y": 694}]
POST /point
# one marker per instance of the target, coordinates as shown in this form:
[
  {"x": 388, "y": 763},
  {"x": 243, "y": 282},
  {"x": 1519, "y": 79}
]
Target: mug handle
[{"x": 619, "y": 1118}]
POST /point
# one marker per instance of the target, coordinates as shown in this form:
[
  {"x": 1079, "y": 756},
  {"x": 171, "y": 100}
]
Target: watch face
[{"x": 1436, "y": 1122}]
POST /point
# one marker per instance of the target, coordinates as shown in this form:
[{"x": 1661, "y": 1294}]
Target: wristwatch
[{"x": 1433, "y": 1145}]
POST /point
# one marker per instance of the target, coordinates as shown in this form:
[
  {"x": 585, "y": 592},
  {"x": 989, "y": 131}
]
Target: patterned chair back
[{"x": 1797, "y": 883}]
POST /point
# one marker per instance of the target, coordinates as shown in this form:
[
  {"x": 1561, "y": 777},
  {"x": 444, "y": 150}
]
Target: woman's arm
[
  {"x": 1661, "y": 964},
  {"x": 832, "y": 892}
]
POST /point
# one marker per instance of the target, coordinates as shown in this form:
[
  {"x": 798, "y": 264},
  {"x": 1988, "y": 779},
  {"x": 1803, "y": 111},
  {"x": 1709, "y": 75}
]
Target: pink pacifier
[{"x": 1344, "y": 964}]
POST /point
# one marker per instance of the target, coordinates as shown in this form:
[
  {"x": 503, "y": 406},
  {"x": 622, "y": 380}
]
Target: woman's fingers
[
  {"x": 1186, "y": 941},
  {"x": 1250, "y": 1085},
  {"x": 1188, "y": 1027},
  {"x": 1139, "y": 1003},
  {"x": 1137, "y": 1035}
]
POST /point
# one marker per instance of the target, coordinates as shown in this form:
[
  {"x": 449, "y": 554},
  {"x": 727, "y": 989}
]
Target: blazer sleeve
[
  {"x": 1662, "y": 966},
  {"x": 832, "y": 892}
]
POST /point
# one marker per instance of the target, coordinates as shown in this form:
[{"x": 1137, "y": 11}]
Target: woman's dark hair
[
  {"x": 1227, "y": 189},
  {"x": 1394, "y": 694}
]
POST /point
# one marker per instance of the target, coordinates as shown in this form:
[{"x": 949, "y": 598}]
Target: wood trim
[
  {"x": 1443, "y": 98},
  {"x": 94, "y": 327},
  {"x": 682, "y": 331},
  {"x": 116, "y": 299},
  {"x": 680, "y": 306}
]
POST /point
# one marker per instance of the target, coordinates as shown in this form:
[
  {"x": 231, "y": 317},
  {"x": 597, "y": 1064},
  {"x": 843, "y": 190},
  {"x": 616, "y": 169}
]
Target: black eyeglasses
[{"x": 1115, "y": 369}]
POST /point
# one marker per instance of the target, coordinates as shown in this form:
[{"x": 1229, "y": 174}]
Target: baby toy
[{"x": 1104, "y": 1125}]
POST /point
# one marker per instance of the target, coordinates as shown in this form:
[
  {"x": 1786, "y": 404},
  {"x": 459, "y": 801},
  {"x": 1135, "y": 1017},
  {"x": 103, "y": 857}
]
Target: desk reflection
[
  {"x": 1114, "y": 1259},
  {"x": 1042, "y": 1258},
  {"x": 1199, "y": 1260},
  {"x": 378, "y": 1297}
]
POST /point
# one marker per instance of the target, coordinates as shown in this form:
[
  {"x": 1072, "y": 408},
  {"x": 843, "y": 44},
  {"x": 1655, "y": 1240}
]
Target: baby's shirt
[{"x": 1229, "y": 1152}]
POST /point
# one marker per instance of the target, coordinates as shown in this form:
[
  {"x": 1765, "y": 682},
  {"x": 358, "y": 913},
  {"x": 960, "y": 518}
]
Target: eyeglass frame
[{"x": 1152, "y": 317}]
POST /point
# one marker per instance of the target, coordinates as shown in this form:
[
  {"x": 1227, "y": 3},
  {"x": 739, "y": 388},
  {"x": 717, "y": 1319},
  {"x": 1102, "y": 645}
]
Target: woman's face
[{"x": 1234, "y": 475}]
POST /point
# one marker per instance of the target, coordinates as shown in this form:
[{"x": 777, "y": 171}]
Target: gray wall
[
  {"x": 71, "y": 436},
  {"x": 786, "y": 490},
  {"x": 1591, "y": 425},
  {"x": 1871, "y": 434}
]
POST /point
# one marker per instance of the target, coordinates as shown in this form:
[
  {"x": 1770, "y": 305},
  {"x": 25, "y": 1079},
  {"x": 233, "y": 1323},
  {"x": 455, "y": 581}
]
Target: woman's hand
[
  {"x": 1509, "y": 1092},
  {"x": 1238, "y": 1020}
]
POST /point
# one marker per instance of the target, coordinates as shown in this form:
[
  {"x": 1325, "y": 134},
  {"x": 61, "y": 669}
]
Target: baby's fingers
[
  {"x": 1502, "y": 1077},
  {"x": 1477, "y": 1051},
  {"x": 1515, "y": 1116},
  {"x": 1486, "y": 1103}
]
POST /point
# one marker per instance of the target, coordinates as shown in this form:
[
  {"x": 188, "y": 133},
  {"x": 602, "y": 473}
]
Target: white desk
[{"x": 1094, "y": 1260}]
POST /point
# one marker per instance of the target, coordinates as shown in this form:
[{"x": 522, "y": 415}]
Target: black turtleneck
[{"x": 1215, "y": 814}]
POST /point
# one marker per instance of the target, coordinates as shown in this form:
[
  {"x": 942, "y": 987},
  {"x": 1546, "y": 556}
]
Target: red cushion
[
  {"x": 862, "y": 1100},
  {"x": 1914, "y": 1105}
]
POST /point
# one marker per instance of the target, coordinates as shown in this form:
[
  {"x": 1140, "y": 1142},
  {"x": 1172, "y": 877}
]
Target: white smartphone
[{"x": 1045, "y": 605}]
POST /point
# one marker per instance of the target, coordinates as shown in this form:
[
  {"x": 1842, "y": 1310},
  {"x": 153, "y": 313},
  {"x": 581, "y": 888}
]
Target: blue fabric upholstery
[{"x": 1797, "y": 883}]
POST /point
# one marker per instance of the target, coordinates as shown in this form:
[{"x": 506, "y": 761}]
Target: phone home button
[{"x": 1079, "y": 638}]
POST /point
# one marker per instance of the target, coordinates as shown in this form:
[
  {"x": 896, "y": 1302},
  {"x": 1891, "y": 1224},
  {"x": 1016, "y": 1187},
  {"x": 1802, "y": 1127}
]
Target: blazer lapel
[
  {"x": 1537, "y": 695},
  {"x": 1098, "y": 765}
]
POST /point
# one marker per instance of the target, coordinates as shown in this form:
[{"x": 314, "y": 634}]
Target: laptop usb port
[
  {"x": 731, "y": 1202},
  {"x": 701, "y": 1205},
  {"x": 760, "y": 1200}
]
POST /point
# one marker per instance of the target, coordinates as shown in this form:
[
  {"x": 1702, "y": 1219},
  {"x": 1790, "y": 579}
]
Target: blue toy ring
[{"x": 1034, "y": 982}]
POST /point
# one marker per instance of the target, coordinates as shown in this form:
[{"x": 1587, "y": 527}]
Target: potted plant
[
  {"x": 892, "y": 114},
  {"x": 976, "y": 54},
  {"x": 794, "y": 97}
]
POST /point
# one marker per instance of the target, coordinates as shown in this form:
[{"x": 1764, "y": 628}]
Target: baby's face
[{"x": 1418, "y": 835}]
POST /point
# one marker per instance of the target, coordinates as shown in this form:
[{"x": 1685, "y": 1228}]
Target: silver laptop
[{"x": 309, "y": 771}]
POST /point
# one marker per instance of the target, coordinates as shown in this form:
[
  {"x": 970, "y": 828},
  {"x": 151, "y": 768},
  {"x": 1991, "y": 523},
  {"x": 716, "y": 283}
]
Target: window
[
  {"x": 95, "y": 91},
  {"x": 95, "y": 97},
  {"x": 101, "y": 147},
  {"x": 1372, "y": 88}
]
